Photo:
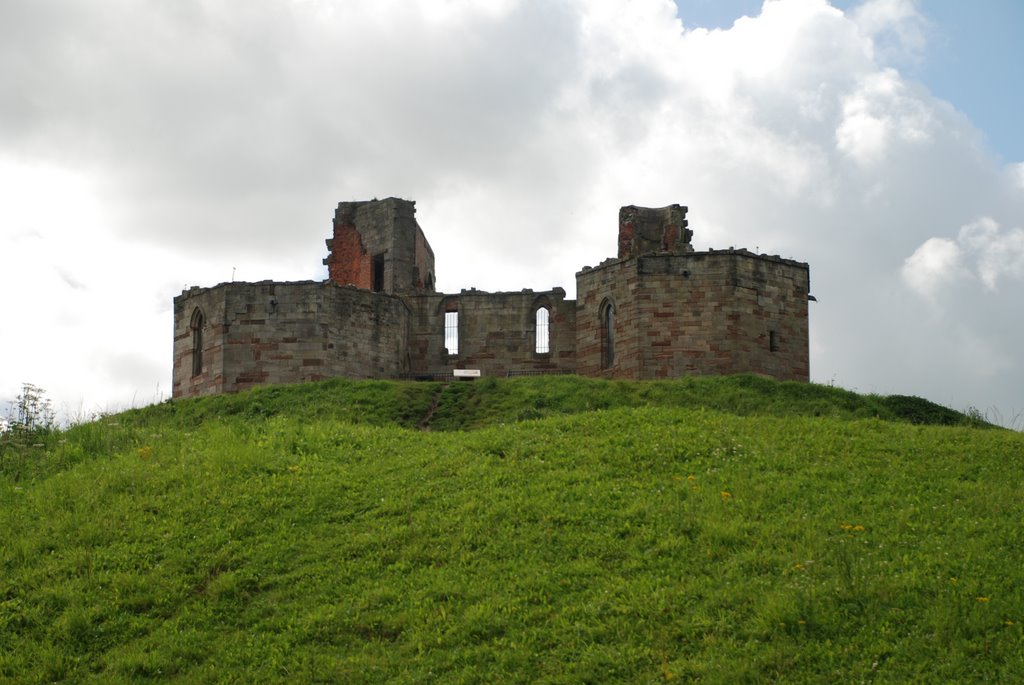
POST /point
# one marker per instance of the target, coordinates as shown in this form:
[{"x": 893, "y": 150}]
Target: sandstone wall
[
  {"x": 260, "y": 333},
  {"x": 695, "y": 314},
  {"x": 497, "y": 332},
  {"x": 615, "y": 282}
]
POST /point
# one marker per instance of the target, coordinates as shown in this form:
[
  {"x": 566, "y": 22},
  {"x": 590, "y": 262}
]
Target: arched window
[
  {"x": 451, "y": 327},
  {"x": 197, "y": 325},
  {"x": 541, "y": 319},
  {"x": 607, "y": 334}
]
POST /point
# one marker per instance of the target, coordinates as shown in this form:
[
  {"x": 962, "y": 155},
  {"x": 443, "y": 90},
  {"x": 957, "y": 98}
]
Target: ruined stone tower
[
  {"x": 379, "y": 246},
  {"x": 643, "y": 230}
]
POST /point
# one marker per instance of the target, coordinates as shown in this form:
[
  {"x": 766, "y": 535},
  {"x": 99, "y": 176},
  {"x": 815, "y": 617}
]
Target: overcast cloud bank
[{"x": 144, "y": 148}]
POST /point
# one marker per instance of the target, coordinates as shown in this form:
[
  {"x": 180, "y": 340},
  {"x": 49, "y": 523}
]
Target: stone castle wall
[
  {"x": 259, "y": 333},
  {"x": 613, "y": 284},
  {"x": 675, "y": 312},
  {"x": 497, "y": 332}
]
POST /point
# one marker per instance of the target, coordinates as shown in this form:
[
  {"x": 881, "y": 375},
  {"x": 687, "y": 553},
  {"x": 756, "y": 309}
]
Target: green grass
[{"x": 719, "y": 530}]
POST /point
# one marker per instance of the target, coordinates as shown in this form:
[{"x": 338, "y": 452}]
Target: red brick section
[{"x": 348, "y": 262}]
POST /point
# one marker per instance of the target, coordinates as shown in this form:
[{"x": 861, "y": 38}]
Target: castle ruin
[{"x": 657, "y": 310}]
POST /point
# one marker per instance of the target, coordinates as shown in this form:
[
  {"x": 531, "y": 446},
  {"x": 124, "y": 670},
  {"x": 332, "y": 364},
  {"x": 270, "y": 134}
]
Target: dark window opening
[
  {"x": 773, "y": 342},
  {"x": 543, "y": 341},
  {"x": 451, "y": 332},
  {"x": 608, "y": 336},
  {"x": 377, "y": 273},
  {"x": 198, "y": 322}
]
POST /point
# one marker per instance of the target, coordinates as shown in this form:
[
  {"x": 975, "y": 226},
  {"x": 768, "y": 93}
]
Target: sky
[{"x": 148, "y": 147}]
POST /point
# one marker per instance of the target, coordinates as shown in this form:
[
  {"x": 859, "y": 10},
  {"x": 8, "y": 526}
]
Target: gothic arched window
[
  {"x": 542, "y": 332},
  {"x": 607, "y": 334},
  {"x": 451, "y": 327},
  {"x": 197, "y": 325}
]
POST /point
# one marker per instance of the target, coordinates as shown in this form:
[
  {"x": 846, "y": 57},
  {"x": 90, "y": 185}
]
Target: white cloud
[
  {"x": 981, "y": 251},
  {"x": 89, "y": 310},
  {"x": 936, "y": 263},
  {"x": 881, "y": 111},
  {"x": 998, "y": 254},
  {"x": 897, "y": 29}
]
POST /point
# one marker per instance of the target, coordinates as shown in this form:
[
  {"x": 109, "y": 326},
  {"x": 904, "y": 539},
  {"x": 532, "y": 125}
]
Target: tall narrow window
[
  {"x": 773, "y": 341},
  {"x": 608, "y": 336},
  {"x": 377, "y": 273},
  {"x": 541, "y": 321},
  {"x": 198, "y": 322},
  {"x": 451, "y": 332}
]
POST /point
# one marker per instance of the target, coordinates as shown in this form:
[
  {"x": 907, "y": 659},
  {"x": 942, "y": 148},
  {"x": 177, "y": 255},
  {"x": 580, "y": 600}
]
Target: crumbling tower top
[
  {"x": 378, "y": 245},
  {"x": 645, "y": 230}
]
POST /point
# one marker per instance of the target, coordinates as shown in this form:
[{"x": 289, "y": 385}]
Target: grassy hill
[{"x": 555, "y": 530}]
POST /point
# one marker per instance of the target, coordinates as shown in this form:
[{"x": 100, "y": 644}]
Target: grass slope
[
  {"x": 627, "y": 535},
  {"x": 469, "y": 405}
]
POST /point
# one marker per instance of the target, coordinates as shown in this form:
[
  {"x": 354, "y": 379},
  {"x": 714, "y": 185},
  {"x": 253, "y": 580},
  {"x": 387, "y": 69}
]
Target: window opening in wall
[
  {"x": 773, "y": 342},
  {"x": 198, "y": 321},
  {"x": 608, "y": 336},
  {"x": 377, "y": 273},
  {"x": 542, "y": 346},
  {"x": 451, "y": 332}
]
